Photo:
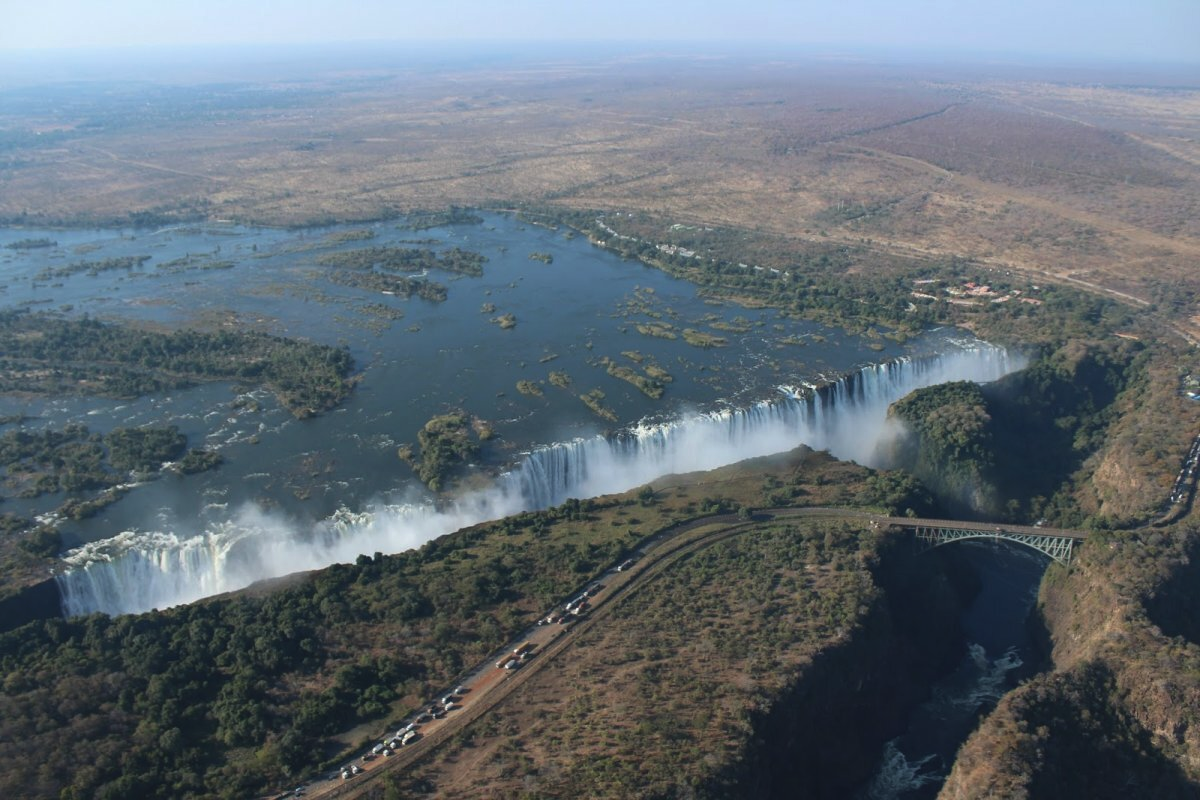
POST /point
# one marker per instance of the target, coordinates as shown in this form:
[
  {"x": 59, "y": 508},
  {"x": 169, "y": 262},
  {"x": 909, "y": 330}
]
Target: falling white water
[{"x": 138, "y": 571}]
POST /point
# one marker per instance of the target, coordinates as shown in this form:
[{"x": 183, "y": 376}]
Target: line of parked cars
[
  {"x": 573, "y": 608},
  {"x": 410, "y": 732}
]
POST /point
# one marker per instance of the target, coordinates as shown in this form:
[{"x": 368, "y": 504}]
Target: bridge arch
[{"x": 1057, "y": 547}]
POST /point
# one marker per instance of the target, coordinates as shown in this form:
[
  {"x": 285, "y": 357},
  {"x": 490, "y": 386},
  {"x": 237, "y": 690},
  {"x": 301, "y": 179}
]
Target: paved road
[
  {"x": 1184, "y": 491},
  {"x": 489, "y": 685}
]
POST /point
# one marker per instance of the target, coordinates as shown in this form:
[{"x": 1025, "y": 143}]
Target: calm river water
[{"x": 440, "y": 356}]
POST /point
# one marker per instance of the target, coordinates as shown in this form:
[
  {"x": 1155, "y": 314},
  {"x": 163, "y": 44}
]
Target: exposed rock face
[
  {"x": 1120, "y": 714},
  {"x": 36, "y": 601},
  {"x": 823, "y": 736},
  {"x": 1062, "y": 735}
]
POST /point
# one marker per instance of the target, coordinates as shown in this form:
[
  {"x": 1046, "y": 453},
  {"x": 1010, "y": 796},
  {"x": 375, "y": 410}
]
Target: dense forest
[
  {"x": 1051, "y": 417},
  {"x": 222, "y": 698}
]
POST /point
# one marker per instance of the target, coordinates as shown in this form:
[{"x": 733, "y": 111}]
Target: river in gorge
[
  {"x": 1000, "y": 652},
  {"x": 301, "y": 494}
]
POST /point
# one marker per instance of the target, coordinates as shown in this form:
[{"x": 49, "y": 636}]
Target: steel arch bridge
[{"x": 1053, "y": 542}]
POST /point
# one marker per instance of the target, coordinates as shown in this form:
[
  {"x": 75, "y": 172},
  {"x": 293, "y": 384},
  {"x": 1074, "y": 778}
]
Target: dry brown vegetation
[
  {"x": 661, "y": 697},
  {"x": 1089, "y": 182},
  {"x": 1079, "y": 181},
  {"x": 1120, "y": 714}
]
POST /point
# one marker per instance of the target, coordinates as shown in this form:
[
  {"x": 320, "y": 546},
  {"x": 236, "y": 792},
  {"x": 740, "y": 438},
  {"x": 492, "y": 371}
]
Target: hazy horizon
[
  {"x": 1103, "y": 31},
  {"x": 306, "y": 61}
]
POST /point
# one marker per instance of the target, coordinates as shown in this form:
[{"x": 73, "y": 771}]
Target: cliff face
[
  {"x": 1120, "y": 714},
  {"x": 1091, "y": 433},
  {"x": 1154, "y": 427},
  {"x": 1062, "y": 735},
  {"x": 822, "y": 736},
  {"x": 35, "y": 601},
  {"x": 774, "y": 664}
]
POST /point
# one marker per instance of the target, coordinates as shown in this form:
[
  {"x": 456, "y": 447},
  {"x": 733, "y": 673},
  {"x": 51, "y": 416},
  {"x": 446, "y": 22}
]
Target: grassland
[
  {"x": 862, "y": 173},
  {"x": 1092, "y": 180},
  {"x": 662, "y": 697}
]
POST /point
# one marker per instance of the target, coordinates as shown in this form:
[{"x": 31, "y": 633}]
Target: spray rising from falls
[{"x": 135, "y": 572}]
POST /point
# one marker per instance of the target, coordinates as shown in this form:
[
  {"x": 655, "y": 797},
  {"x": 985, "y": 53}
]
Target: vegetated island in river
[
  {"x": 424, "y": 220},
  {"x": 47, "y": 354},
  {"x": 650, "y": 386},
  {"x": 407, "y": 259},
  {"x": 446, "y": 446},
  {"x": 92, "y": 469},
  {"x": 370, "y": 267}
]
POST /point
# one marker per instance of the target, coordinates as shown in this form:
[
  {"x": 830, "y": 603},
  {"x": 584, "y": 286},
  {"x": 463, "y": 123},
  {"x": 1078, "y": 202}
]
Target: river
[
  {"x": 1000, "y": 652},
  {"x": 302, "y": 494}
]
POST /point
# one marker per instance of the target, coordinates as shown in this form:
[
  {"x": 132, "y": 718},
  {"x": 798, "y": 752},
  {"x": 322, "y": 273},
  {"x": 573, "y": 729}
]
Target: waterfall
[{"x": 138, "y": 571}]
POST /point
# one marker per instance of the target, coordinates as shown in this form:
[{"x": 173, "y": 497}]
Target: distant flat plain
[{"x": 1075, "y": 176}]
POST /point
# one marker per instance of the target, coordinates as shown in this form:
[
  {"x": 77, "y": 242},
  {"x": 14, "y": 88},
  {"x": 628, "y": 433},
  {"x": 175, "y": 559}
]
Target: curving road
[{"x": 488, "y": 685}]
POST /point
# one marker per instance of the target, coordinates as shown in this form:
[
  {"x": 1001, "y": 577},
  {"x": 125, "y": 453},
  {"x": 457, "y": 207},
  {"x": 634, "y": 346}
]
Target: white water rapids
[{"x": 137, "y": 571}]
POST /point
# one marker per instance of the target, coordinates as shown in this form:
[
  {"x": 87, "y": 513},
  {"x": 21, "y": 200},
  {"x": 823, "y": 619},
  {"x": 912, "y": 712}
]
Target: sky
[{"x": 1134, "y": 30}]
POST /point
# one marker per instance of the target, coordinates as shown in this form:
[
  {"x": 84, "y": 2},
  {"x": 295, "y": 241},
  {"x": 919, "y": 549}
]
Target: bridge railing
[{"x": 1052, "y": 544}]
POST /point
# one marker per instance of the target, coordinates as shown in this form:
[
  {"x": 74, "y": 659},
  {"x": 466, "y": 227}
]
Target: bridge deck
[{"x": 984, "y": 527}]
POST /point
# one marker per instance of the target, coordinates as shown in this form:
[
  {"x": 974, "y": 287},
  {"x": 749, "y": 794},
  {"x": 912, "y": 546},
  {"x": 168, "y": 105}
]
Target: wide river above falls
[{"x": 299, "y": 494}]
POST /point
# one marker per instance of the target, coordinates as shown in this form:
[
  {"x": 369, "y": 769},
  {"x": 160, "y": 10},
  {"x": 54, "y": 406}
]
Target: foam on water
[{"x": 897, "y": 774}]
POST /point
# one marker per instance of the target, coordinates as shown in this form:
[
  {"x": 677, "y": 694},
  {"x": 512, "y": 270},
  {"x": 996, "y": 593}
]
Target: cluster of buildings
[{"x": 971, "y": 294}]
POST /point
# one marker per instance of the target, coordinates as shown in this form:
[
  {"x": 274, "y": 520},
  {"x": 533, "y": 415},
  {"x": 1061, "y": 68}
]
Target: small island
[
  {"x": 657, "y": 330},
  {"x": 648, "y": 386},
  {"x": 31, "y": 244},
  {"x": 446, "y": 445},
  {"x": 92, "y": 268},
  {"x": 703, "y": 340},
  {"x": 595, "y": 401}
]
